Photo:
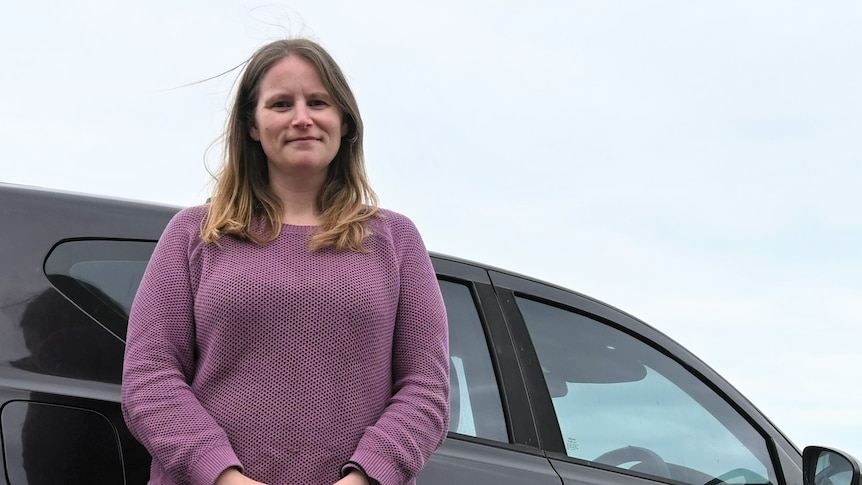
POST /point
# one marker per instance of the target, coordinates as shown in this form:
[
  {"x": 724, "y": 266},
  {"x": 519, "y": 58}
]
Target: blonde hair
[{"x": 242, "y": 193}]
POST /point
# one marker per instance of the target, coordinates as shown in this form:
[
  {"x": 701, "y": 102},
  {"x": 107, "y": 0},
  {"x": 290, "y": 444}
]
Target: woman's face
[{"x": 296, "y": 122}]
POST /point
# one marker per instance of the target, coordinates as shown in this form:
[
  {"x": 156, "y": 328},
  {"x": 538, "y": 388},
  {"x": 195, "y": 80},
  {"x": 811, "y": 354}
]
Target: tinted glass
[
  {"x": 476, "y": 407},
  {"x": 622, "y": 403},
  {"x": 100, "y": 276}
]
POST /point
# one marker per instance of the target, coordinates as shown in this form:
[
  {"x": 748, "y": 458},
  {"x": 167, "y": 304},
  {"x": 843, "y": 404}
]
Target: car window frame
[
  {"x": 66, "y": 253},
  {"x": 509, "y": 285},
  {"x": 517, "y": 410}
]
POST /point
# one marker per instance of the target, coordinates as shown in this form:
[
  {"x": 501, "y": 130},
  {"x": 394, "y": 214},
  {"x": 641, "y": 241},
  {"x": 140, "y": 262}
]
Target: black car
[{"x": 548, "y": 386}]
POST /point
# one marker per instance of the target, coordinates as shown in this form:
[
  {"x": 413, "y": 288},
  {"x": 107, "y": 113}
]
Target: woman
[{"x": 290, "y": 331}]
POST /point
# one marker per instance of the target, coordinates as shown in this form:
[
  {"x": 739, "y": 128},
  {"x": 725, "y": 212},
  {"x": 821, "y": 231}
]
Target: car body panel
[{"x": 60, "y": 365}]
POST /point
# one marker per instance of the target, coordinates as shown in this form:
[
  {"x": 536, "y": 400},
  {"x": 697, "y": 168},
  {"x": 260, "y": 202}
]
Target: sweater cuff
[
  {"x": 379, "y": 470},
  {"x": 211, "y": 464},
  {"x": 352, "y": 465}
]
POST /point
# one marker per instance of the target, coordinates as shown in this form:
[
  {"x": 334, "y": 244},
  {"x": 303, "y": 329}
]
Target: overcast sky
[{"x": 697, "y": 164}]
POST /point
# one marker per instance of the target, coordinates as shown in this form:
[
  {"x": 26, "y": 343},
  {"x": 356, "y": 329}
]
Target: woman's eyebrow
[
  {"x": 268, "y": 96},
  {"x": 319, "y": 94}
]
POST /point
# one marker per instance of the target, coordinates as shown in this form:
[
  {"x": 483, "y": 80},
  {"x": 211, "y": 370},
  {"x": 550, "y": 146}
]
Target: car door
[
  {"x": 492, "y": 434},
  {"x": 618, "y": 402},
  {"x": 60, "y": 337}
]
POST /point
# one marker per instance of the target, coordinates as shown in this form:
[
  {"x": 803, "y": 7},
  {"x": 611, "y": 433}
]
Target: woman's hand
[
  {"x": 232, "y": 476},
  {"x": 355, "y": 477}
]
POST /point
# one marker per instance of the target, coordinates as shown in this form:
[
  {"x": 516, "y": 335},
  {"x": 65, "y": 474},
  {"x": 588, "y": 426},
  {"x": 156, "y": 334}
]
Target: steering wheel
[
  {"x": 648, "y": 460},
  {"x": 750, "y": 477}
]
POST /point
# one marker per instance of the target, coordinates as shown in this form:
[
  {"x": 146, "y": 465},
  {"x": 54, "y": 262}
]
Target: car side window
[
  {"x": 100, "y": 276},
  {"x": 475, "y": 405},
  {"x": 622, "y": 403}
]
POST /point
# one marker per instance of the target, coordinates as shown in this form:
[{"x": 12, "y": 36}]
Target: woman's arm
[
  {"x": 157, "y": 401},
  {"x": 416, "y": 420}
]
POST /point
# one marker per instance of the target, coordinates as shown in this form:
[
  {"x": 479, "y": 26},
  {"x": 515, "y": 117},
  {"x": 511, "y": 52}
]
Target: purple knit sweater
[{"x": 287, "y": 363}]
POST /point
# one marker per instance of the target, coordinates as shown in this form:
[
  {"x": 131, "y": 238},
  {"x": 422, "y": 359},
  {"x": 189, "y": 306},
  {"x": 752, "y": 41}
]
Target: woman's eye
[
  {"x": 281, "y": 105},
  {"x": 317, "y": 103}
]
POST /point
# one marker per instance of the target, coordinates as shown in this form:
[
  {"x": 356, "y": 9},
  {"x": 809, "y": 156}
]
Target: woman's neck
[{"x": 299, "y": 204}]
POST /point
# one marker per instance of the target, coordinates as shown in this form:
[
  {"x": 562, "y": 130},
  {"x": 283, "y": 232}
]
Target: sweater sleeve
[
  {"x": 416, "y": 419},
  {"x": 157, "y": 401}
]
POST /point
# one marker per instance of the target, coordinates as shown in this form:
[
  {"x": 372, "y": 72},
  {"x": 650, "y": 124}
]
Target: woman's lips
[{"x": 302, "y": 138}]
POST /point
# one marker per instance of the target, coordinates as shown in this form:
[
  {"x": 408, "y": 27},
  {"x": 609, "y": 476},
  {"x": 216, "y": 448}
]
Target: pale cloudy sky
[{"x": 695, "y": 163}]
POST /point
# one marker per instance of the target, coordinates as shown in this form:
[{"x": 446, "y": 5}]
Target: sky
[{"x": 694, "y": 163}]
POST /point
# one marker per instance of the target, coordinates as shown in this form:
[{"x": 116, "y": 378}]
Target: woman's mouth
[{"x": 302, "y": 138}]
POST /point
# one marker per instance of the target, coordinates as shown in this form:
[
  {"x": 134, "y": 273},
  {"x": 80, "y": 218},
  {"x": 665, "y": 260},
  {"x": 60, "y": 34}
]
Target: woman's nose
[{"x": 302, "y": 115}]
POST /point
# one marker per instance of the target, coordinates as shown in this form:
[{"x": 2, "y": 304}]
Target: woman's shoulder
[
  {"x": 188, "y": 221},
  {"x": 392, "y": 222},
  {"x": 398, "y": 231},
  {"x": 196, "y": 212}
]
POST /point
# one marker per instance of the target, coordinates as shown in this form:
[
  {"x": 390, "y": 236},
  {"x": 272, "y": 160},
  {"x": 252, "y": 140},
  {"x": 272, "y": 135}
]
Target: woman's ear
[{"x": 253, "y": 133}]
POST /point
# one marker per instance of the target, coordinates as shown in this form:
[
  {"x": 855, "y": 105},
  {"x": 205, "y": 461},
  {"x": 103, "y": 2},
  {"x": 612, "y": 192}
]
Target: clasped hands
[{"x": 232, "y": 476}]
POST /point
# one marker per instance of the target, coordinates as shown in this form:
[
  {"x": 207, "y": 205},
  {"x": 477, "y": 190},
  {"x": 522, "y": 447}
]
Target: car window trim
[
  {"x": 521, "y": 425},
  {"x": 553, "y": 442}
]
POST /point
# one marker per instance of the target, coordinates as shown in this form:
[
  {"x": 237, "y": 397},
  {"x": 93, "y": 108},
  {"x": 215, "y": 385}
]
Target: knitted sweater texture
[{"x": 287, "y": 363}]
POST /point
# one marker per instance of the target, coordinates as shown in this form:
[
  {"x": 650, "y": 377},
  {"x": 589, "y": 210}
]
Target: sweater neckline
[{"x": 294, "y": 229}]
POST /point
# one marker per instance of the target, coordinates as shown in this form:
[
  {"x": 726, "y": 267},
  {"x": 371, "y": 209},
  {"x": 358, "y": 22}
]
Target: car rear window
[{"x": 100, "y": 276}]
